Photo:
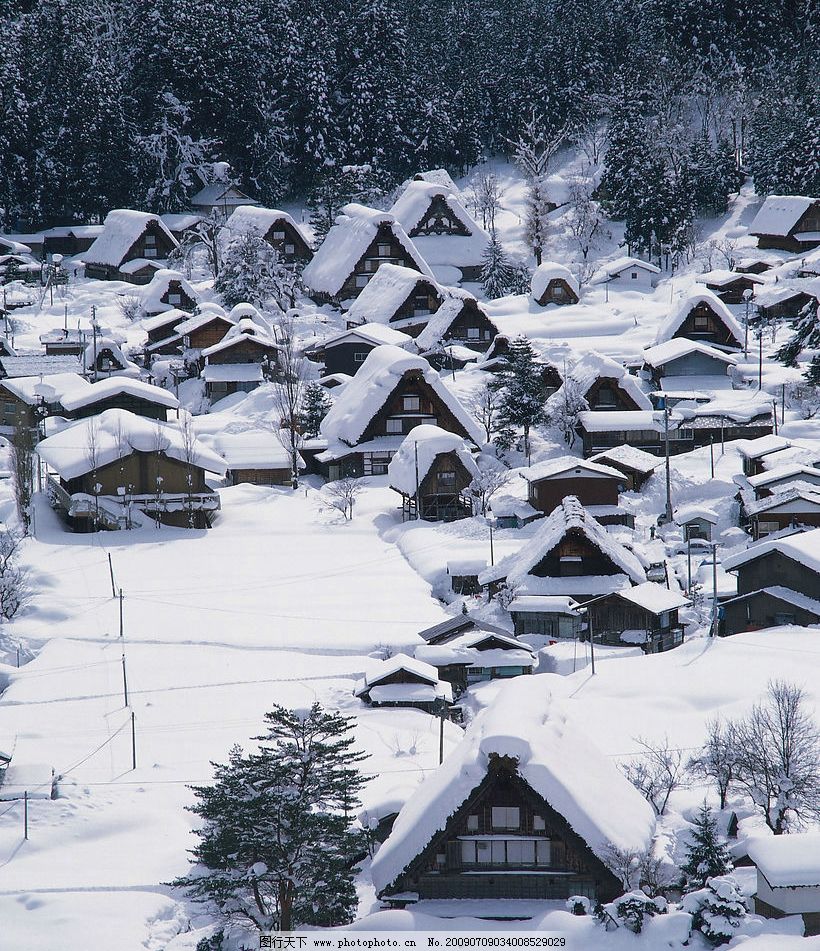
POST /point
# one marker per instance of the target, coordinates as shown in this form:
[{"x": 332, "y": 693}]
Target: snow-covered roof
[
  {"x": 787, "y": 861},
  {"x": 258, "y": 220},
  {"x": 653, "y": 597},
  {"x": 202, "y": 319},
  {"x": 550, "y": 271},
  {"x": 159, "y": 286},
  {"x": 122, "y": 227},
  {"x": 459, "y": 567},
  {"x": 555, "y": 758},
  {"x": 782, "y": 472},
  {"x": 570, "y": 514},
  {"x": 698, "y": 295},
  {"x": 803, "y": 547},
  {"x": 569, "y": 465},
  {"x": 439, "y": 323},
  {"x": 629, "y": 456},
  {"x": 244, "y": 330},
  {"x": 254, "y": 449},
  {"x": 543, "y": 604},
  {"x": 232, "y": 373},
  {"x": 780, "y": 293},
  {"x": 795, "y": 598},
  {"x": 679, "y": 347},
  {"x": 604, "y": 422},
  {"x": 720, "y": 277},
  {"x": 140, "y": 264},
  {"x": 219, "y": 193},
  {"x": 779, "y": 214},
  {"x": 39, "y": 364},
  {"x": 53, "y": 389},
  {"x": 393, "y": 665},
  {"x": 762, "y": 446},
  {"x": 440, "y": 249},
  {"x": 7, "y": 243},
  {"x": 376, "y": 379},
  {"x": 36, "y": 779},
  {"x": 418, "y": 452},
  {"x": 737, "y": 405},
  {"x": 505, "y": 505},
  {"x": 804, "y": 492},
  {"x": 686, "y": 513},
  {"x": 116, "y": 433},
  {"x": 95, "y": 348},
  {"x": 594, "y": 366},
  {"x": 612, "y": 268},
  {"x": 180, "y": 221},
  {"x": 385, "y": 292},
  {"x": 104, "y": 389},
  {"x": 438, "y": 176},
  {"x": 168, "y": 318},
  {"x": 352, "y": 233},
  {"x": 376, "y": 334}
]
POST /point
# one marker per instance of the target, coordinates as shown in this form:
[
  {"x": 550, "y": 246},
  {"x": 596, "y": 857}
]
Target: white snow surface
[
  {"x": 787, "y": 861},
  {"x": 679, "y": 347},
  {"x": 258, "y": 220},
  {"x": 78, "y": 397},
  {"x": 385, "y": 292},
  {"x": 419, "y": 450},
  {"x": 555, "y": 758},
  {"x": 654, "y": 597},
  {"x": 122, "y": 227}
]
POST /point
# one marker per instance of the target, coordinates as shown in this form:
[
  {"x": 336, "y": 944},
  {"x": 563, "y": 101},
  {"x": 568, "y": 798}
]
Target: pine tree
[
  {"x": 521, "y": 390},
  {"x": 498, "y": 274},
  {"x": 315, "y": 405},
  {"x": 806, "y": 328},
  {"x": 706, "y": 854},
  {"x": 717, "y": 909},
  {"x": 277, "y": 845},
  {"x": 251, "y": 271}
]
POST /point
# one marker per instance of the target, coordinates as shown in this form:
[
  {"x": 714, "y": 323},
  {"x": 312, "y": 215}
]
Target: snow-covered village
[{"x": 409, "y": 475}]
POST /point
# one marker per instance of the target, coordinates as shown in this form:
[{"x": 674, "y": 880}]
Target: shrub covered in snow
[
  {"x": 633, "y": 908},
  {"x": 717, "y": 910}
]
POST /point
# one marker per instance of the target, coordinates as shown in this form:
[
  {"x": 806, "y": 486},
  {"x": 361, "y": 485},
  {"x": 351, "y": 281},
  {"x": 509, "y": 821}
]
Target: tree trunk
[
  {"x": 286, "y": 906},
  {"x": 537, "y": 252}
]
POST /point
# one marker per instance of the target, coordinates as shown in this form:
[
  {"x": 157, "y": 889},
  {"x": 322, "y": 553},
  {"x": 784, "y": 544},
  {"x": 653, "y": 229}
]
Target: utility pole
[
  {"x": 442, "y": 714},
  {"x": 121, "y": 625},
  {"x": 713, "y": 629},
  {"x": 25, "y": 815},
  {"x": 666, "y": 453},
  {"x": 133, "y": 741},
  {"x": 591, "y": 642},
  {"x": 95, "y": 328},
  {"x": 760, "y": 359},
  {"x": 712, "y": 454},
  {"x": 747, "y": 296},
  {"x": 492, "y": 555},
  {"x": 111, "y": 572},
  {"x": 416, "y": 457},
  {"x": 689, "y": 563},
  {"x": 124, "y": 681}
]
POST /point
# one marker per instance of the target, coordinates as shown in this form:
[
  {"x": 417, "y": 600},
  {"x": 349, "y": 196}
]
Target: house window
[
  {"x": 446, "y": 479},
  {"x": 571, "y": 566},
  {"x": 766, "y": 528},
  {"x": 473, "y": 333},
  {"x": 538, "y": 823},
  {"x": 174, "y": 298},
  {"x": 664, "y": 618},
  {"x": 411, "y": 404},
  {"x": 384, "y": 250},
  {"x": 606, "y": 396},
  {"x": 441, "y": 859},
  {"x": 150, "y": 253},
  {"x": 379, "y": 461},
  {"x": 701, "y": 322},
  {"x": 393, "y": 426},
  {"x": 278, "y": 235},
  {"x": 290, "y": 249},
  {"x": 472, "y": 823},
  {"x": 784, "y": 619},
  {"x": 362, "y": 279},
  {"x": 634, "y": 275},
  {"x": 506, "y": 817},
  {"x": 487, "y": 335},
  {"x": 520, "y": 852},
  {"x": 359, "y": 357},
  {"x": 150, "y": 240}
]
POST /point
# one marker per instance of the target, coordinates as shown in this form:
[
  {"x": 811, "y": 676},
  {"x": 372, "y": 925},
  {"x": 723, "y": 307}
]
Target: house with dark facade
[
  {"x": 168, "y": 290},
  {"x": 554, "y": 284},
  {"x": 794, "y": 506},
  {"x": 786, "y": 301},
  {"x": 345, "y": 352},
  {"x": 681, "y": 364},
  {"x": 730, "y": 415},
  {"x": 447, "y": 236},
  {"x": 255, "y": 457},
  {"x": 778, "y": 582},
  {"x": 460, "y": 321},
  {"x": 523, "y": 808},
  {"x": 702, "y": 316},
  {"x": 360, "y": 241},
  {"x": 402, "y": 681},
  {"x": 276, "y": 227},
  {"x": 111, "y": 469},
  {"x": 645, "y": 615},
  {"x": 644, "y": 430},
  {"x": 220, "y": 198},
  {"x": 550, "y": 616},
  {"x": 245, "y": 357},
  {"x": 570, "y": 554},
  {"x": 696, "y": 521},
  {"x": 731, "y": 286},
  {"x": 163, "y": 340},
  {"x": 398, "y": 296},
  {"x": 753, "y": 452},
  {"x": 123, "y": 393},
  {"x": 104, "y": 358},
  {"x": 605, "y": 386},
  {"x": 788, "y": 222},
  {"x": 392, "y": 393},
  {"x": 456, "y": 626},
  {"x": 634, "y": 463},
  {"x": 27, "y": 400},
  {"x": 477, "y": 657},
  {"x": 133, "y": 246},
  {"x": 596, "y": 487},
  {"x": 432, "y": 471}
]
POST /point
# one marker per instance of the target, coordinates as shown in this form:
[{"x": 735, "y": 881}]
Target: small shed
[
  {"x": 635, "y": 464},
  {"x": 168, "y": 290},
  {"x": 788, "y": 877},
  {"x": 131, "y": 247},
  {"x": 788, "y": 223},
  {"x": 477, "y": 657},
  {"x": 276, "y": 227},
  {"x": 644, "y": 615},
  {"x": 402, "y": 681},
  {"x": 221, "y": 198},
  {"x": 551, "y": 481},
  {"x": 554, "y": 284},
  {"x": 552, "y": 616},
  {"x": 731, "y": 286},
  {"x": 31, "y": 780},
  {"x": 628, "y": 274},
  {"x": 697, "y": 521},
  {"x": 463, "y": 574},
  {"x": 256, "y": 457}
]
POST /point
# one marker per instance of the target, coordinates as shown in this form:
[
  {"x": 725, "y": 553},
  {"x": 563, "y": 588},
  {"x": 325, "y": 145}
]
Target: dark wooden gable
[
  {"x": 244, "y": 349},
  {"x": 288, "y": 241},
  {"x": 437, "y": 481},
  {"x": 153, "y": 244},
  {"x": 385, "y": 248},
  {"x": 183, "y": 300},
  {"x": 703, "y": 323},
  {"x": 558, "y": 291},
  {"x": 401, "y": 676},
  {"x": 502, "y": 787},
  {"x": 775, "y": 569},
  {"x": 106, "y": 361},
  {"x": 139, "y": 473},
  {"x": 440, "y": 219},
  {"x": 422, "y": 302},
  {"x": 208, "y": 334},
  {"x": 431, "y": 407},
  {"x": 607, "y": 393},
  {"x": 575, "y": 556},
  {"x": 471, "y": 326}
]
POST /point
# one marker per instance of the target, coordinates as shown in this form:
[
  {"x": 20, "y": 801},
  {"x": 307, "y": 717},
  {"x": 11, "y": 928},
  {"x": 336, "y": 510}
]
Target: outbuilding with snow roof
[
  {"x": 788, "y": 877},
  {"x": 460, "y": 321},
  {"x": 360, "y": 241},
  {"x": 645, "y": 615},
  {"x": 168, "y": 290},
  {"x": 593, "y": 484},
  {"x": 135, "y": 396},
  {"x": 402, "y": 681},
  {"x": 345, "y": 352},
  {"x": 628, "y": 274},
  {"x": 398, "y": 296},
  {"x": 634, "y": 463},
  {"x": 732, "y": 287},
  {"x": 788, "y": 223},
  {"x": 432, "y": 471},
  {"x": 220, "y": 199},
  {"x": 132, "y": 247},
  {"x": 256, "y": 457},
  {"x": 515, "y": 812},
  {"x": 276, "y": 227},
  {"x": 477, "y": 657},
  {"x": 554, "y": 284}
]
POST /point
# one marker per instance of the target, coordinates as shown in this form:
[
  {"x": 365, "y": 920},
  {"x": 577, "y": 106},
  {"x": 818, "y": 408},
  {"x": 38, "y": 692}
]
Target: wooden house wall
[
  {"x": 732, "y": 293},
  {"x": 106, "y": 361},
  {"x": 768, "y": 522},
  {"x": 439, "y": 219},
  {"x": 623, "y": 402},
  {"x": 547, "y": 494},
  {"x": 615, "y": 615},
  {"x": 412, "y": 384},
  {"x": 713, "y": 331},
  {"x": 346, "y": 357},
  {"x": 185, "y": 302},
  {"x": 245, "y": 351},
  {"x": 301, "y": 249},
  {"x": 809, "y": 221},
  {"x": 371, "y": 260},
  {"x": 566, "y": 294},
  {"x": 140, "y": 471},
  {"x": 445, "y": 500},
  {"x": 471, "y": 317},
  {"x": 790, "y": 307},
  {"x": 208, "y": 334},
  {"x": 260, "y": 476},
  {"x": 440, "y": 872},
  {"x": 760, "y": 611},
  {"x": 15, "y": 411},
  {"x": 692, "y": 364},
  {"x": 134, "y": 404},
  {"x": 776, "y": 569},
  {"x": 423, "y": 297},
  {"x": 574, "y": 544},
  {"x": 156, "y": 334}
]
